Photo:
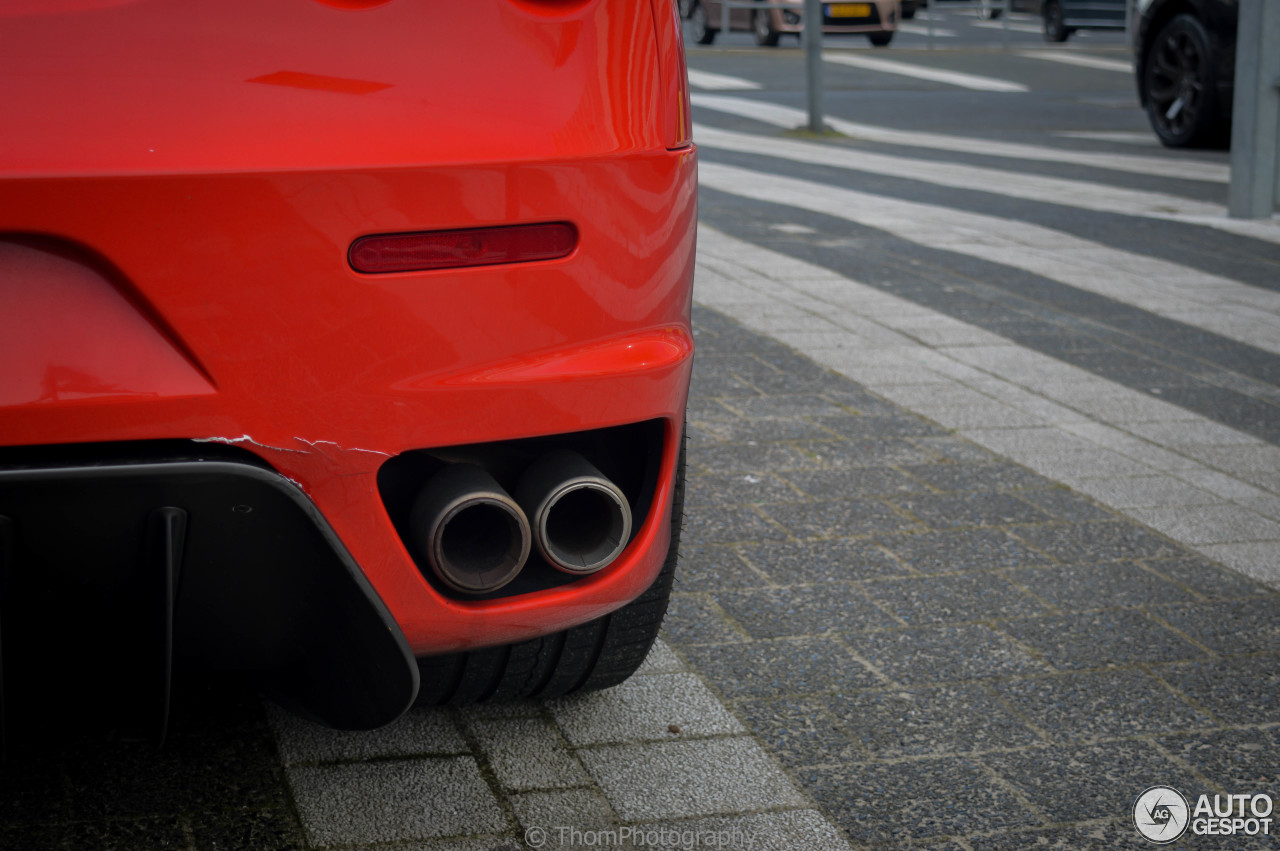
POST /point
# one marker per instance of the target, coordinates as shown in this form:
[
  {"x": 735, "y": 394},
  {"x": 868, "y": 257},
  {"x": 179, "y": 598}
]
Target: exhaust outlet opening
[
  {"x": 472, "y": 533},
  {"x": 581, "y": 520},
  {"x": 585, "y": 529}
]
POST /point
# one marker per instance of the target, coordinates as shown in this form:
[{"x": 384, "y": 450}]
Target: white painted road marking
[
  {"x": 790, "y": 118},
  {"x": 920, "y": 72},
  {"x": 1032, "y": 187},
  {"x": 721, "y": 82},
  {"x": 1195, "y": 298},
  {"x": 1082, "y": 60},
  {"x": 1208, "y": 486}
]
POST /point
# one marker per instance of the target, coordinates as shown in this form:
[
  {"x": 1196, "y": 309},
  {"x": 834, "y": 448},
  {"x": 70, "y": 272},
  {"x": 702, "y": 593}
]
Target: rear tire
[
  {"x": 702, "y": 33},
  {"x": 880, "y": 39},
  {"x": 1182, "y": 87},
  {"x": 595, "y": 655},
  {"x": 1055, "y": 22},
  {"x": 762, "y": 27}
]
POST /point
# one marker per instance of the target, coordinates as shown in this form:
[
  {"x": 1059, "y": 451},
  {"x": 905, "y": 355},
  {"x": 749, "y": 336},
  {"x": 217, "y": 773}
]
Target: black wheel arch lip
[{"x": 1219, "y": 18}]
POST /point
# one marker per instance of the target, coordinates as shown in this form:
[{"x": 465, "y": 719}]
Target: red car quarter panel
[{"x": 345, "y": 343}]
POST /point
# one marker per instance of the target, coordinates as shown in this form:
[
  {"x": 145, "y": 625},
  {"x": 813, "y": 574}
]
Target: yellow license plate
[{"x": 849, "y": 10}]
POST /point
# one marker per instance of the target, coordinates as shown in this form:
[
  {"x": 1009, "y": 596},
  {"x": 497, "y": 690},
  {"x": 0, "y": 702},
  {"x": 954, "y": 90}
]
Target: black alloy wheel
[
  {"x": 702, "y": 33},
  {"x": 1055, "y": 22},
  {"x": 762, "y": 26},
  {"x": 1181, "y": 86}
]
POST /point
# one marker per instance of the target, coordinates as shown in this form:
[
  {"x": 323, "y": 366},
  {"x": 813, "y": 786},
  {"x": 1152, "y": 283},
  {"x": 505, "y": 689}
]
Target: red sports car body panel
[{"x": 200, "y": 169}]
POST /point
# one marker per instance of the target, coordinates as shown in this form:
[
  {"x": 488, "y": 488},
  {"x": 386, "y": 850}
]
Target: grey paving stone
[
  {"x": 1079, "y": 587},
  {"x": 1229, "y": 628},
  {"x": 694, "y": 778},
  {"x": 838, "y": 518},
  {"x": 757, "y": 459},
  {"x": 944, "y": 653},
  {"x": 1094, "y": 836},
  {"x": 781, "y": 667},
  {"x": 953, "y": 599},
  {"x": 785, "y": 406},
  {"x": 1097, "y": 542},
  {"x": 966, "y": 549},
  {"x": 1237, "y": 691},
  {"x": 562, "y": 816},
  {"x": 862, "y": 481},
  {"x": 527, "y": 753},
  {"x": 713, "y": 568},
  {"x": 948, "y": 511},
  {"x": 905, "y": 801},
  {"x": 799, "y": 731},
  {"x": 695, "y": 619},
  {"x": 729, "y": 525},
  {"x": 773, "y": 429},
  {"x": 787, "y": 830},
  {"x": 661, "y": 660},
  {"x": 804, "y": 610},
  {"x": 715, "y": 490},
  {"x": 1066, "y": 505},
  {"x": 898, "y": 424},
  {"x": 1230, "y": 758},
  {"x": 1203, "y": 577},
  {"x": 418, "y": 732},
  {"x": 805, "y": 562},
  {"x": 935, "y": 720},
  {"x": 978, "y": 477},
  {"x": 227, "y": 830},
  {"x": 644, "y": 709},
  {"x": 857, "y": 399},
  {"x": 1071, "y": 784},
  {"x": 1103, "y": 638},
  {"x": 956, "y": 449},
  {"x": 388, "y": 801},
  {"x": 1099, "y": 705},
  {"x": 869, "y": 452}
]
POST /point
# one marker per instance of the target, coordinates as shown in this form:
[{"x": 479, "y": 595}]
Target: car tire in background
[
  {"x": 702, "y": 33},
  {"x": 762, "y": 28},
  {"x": 1055, "y": 21},
  {"x": 880, "y": 39},
  {"x": 1182, "y": 87},
  {"x": 595, "y": 655}
]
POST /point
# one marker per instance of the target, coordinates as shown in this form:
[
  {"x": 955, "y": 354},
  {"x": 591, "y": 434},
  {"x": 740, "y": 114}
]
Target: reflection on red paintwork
[
  {"x": 320, "y": 83},
  {"x": 634, "y": 353}
]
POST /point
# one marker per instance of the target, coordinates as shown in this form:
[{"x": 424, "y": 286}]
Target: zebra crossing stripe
[
  {"x": 1082, "y": 60},
  {"x": 790, "y": 118},
  {"x": 1153, "y": 461},
  {"x": 721, "y": 82},
  {"x": 936, "y": 75},
  {"x": 1052, "y": 190},
  {"x": 1198, "y": 299}
]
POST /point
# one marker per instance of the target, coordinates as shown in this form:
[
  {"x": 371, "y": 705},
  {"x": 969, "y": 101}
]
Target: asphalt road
[{"x": 983, "y": 526}]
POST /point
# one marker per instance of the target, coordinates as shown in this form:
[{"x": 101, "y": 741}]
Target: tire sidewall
[{"x": 1206, "y": 119}]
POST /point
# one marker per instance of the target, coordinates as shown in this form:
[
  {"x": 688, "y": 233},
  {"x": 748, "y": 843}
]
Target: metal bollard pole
[
  {"x": 1254, "y": 192},
  {"x": 724, "y": 18},
  {"x": 812, "y": 37},
  {"x": 1005, "y": 12},
  {"x": 928, "y": 14}
]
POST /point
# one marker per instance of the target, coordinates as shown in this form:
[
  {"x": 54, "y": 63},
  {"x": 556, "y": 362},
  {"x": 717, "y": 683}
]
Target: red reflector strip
[{"x": 452, "y": 249}]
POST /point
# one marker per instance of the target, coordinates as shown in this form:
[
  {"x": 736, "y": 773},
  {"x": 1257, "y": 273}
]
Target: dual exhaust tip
[{"x": 477, "y": 538}]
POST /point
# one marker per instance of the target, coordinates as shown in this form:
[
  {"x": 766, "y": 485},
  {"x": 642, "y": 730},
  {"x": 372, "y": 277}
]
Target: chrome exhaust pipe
[
  {"x": 581, "y": 521},
  {"x": 470, "y": 530}
]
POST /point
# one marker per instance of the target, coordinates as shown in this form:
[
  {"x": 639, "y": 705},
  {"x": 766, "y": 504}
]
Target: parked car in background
[
  {"x": 1184, "y": 59},
  {"x": 1061, "y": 18},
  {"x": 350, "y": 363},
  {"x": 876, "y": 19}
]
